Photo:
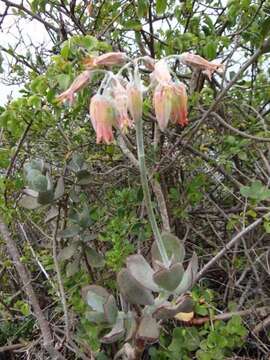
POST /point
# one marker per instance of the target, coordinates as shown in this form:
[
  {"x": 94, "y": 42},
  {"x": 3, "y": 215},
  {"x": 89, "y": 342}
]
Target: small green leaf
[
  {"x": 133, "y": 25},
  {"x": 63, "y": 81},
  {"x": 161, "y": 6},
  {"x": 65, "y": 51},
  {"x": 257, "y": 191},
  {"x": 266, "y": 225},
  {"x": 142, "y": 8},
  {"x": 210, "y": 50},
  {"x": 265, "y": 27}
]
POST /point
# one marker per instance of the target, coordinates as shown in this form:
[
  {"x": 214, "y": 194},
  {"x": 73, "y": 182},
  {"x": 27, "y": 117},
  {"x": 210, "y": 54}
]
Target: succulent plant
[
  {"x": 41, "y": 190},
  {"x": 78, "y": 166},
  {"x": 160, "y": 293}
]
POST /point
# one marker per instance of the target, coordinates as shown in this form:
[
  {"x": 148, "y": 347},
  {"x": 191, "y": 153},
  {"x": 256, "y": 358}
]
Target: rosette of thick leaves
[
  {"x": 139, "y": 280},
  {"x": 104, "y": 311},
  {"x": 40, "y": 190}
]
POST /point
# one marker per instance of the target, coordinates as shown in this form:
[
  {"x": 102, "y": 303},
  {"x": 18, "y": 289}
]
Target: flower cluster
[
  {"x": 170, "y": 98},
  {"x": 118, "y": 104}
]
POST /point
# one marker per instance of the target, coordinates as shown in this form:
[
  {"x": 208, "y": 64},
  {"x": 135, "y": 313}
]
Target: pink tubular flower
[
  {"x": 102, "y": 114},
  {"x": 163, "y": 95},
  {"x": 200, "y": 63},
  {"x": 79, "y": 82},
  {"x": 149, "y": 62},
  {"x": 120, "y": 99},
  {"x": 109, "y": 59},
  {"x": 135, "y": 101},
  {"x": 179, "y": 111},
  {"x": 161, "y": 73}
]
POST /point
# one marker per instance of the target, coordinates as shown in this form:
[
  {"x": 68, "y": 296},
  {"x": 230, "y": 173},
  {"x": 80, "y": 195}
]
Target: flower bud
[
  {"x": 198, "y": 62},
  {"x": 109, "y": 59},
  {"x": 79, "y": 82},
  {"x": 135, "y": 102}
]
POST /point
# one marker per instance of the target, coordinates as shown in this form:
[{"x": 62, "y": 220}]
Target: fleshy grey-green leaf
[
  {"x": 132, "y": 290},
  {"x": 67, "y": 252},
  {"x": 28, "y": 202},
  {"x": 148, "y": 330},
  {"x": 141, "y": 271},
  {"x": 117, "y": 332},
  {"x": 168, "y": 310},
  {"x": 95, "y": 259},
  {"x": 169, "y": 279},
  {"x": 174, "y": 248},
  {"x": 189, "y": 276},
  {"x": 59, "y": 189},
  {"x": 110, "y": 310}
]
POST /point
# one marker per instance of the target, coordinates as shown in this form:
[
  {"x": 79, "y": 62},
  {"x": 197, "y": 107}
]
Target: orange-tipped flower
[
  {"x": 163, "y": 95},
  {"x": 102, "y": 114},
  {"x": 161, "y": 73},
  {"x": 200, "y": 63},
  {"x": 121, "y": 105},
  {"x": 179, "y": 113},
  {"x": 79, "y": 82},
  {"x": 135, "y": 101}
]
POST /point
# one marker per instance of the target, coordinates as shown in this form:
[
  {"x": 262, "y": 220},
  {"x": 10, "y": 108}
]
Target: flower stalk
[{"x": 146, "y": 192}]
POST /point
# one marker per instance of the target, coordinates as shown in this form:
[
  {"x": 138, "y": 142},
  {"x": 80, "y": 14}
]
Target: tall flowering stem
[{"x": 146, "y": 192}]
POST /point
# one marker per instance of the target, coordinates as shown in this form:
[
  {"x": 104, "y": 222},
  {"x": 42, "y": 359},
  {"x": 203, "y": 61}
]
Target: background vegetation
[{"x": 213, "y": 174}]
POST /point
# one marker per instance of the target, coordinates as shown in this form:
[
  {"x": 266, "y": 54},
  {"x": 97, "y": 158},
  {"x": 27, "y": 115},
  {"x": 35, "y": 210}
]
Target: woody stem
[{"x": 146, "y": 192}]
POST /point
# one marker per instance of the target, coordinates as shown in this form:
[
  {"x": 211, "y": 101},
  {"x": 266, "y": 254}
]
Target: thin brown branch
[
  {"x": 229, "y": 245},
  {"x": 261, "y": 311},
  {"x": 29, "y": 291},
  {"x": 59, "y": 277},
  {"x": 30, "y": 13},
  {"x": 238, "y": 132}
]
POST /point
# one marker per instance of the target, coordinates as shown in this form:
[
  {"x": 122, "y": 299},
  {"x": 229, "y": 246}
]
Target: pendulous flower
[
  {"x": 161, "y": 72},
  {"x": 79, "y": 82},
  {"x": 170, "y": 103},
  {"x": 103, "y": 117},
  {"x": 162, "y": 100},
  {"x": 179, "y": 113},
  {"x": 121, "y": 104},
  {"x": 198, "y": 62}
]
